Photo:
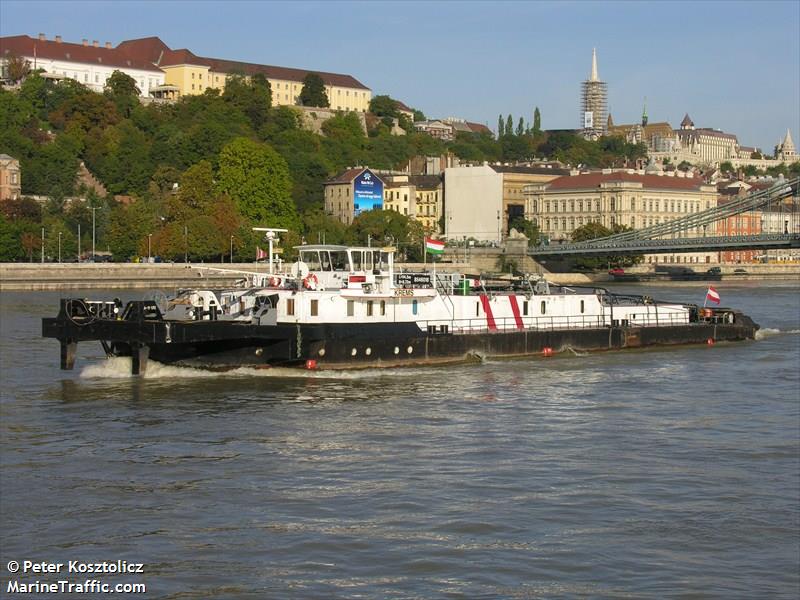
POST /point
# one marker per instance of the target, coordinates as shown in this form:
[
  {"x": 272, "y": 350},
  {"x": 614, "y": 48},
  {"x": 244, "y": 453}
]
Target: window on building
[
  {"x": 192, "y": 75},
  {"x": 86, "y": 78},
  {"x": 97, "y": 78},
  {"x": 580, "y": 205},
  {"x": 290, "y": 306},
  {"x": 192, "y": 86},
  {"x": 351, "y": 308},
  {"x": 315, "y": 308}
]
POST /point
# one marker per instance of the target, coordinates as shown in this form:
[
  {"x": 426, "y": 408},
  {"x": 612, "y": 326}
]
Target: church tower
[{"x": 594, "y": 107}]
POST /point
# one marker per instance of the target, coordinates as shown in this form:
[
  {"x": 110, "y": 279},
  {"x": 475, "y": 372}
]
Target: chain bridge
[{"x": 674, "y": 236}]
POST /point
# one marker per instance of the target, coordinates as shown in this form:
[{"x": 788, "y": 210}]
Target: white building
[
  {"x": 88, "y": 64},
  {"x": 473, "y": 203}
]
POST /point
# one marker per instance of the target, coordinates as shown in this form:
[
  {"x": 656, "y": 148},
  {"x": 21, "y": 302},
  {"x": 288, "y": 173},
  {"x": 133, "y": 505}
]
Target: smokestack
[
  {"x": 41, "y": 37},
  {"x": 58, "y": 39},
  {"x": 95, "y": 43},
  {"x": 108, "y": 45},
  {"x": 85, "y": 42}
]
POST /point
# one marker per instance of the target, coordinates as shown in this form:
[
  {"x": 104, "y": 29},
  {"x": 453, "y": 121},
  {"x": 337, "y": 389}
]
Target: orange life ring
[
  {"x": 310, "y": 282},
  {"x": 274, "y": 282}
]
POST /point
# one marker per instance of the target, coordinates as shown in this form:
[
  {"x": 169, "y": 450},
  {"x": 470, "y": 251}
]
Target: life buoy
[
  {"x": 310, "y": 282},
  {"x": 274, "y": 282}
]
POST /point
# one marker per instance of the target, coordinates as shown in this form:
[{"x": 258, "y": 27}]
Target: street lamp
[
  {"x": 186, "y": 244},
  {"x": 59, "y": 246},
  {"x": 231, "y": 249},
  {"x": 149, "y": 240}
]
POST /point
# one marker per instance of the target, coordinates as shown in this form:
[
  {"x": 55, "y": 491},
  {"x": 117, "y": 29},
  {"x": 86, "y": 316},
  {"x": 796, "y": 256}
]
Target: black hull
[{"x": 227, "y": 345}]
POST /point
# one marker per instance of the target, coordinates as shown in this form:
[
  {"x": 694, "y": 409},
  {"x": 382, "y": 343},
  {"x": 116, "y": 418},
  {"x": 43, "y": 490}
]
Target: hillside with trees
[{"x": 203, "y": 170}]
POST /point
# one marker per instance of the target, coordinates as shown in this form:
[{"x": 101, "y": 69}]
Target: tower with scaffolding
[{"x": 594, "y": 104}]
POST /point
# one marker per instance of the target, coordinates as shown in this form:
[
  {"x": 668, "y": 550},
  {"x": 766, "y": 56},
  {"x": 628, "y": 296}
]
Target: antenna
[{"x": 270, "y": 235}]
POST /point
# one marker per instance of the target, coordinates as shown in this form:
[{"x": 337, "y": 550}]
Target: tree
[
  {"x": 509, "y": 125},
  {"x": 501, "y": 127},
  {"x": 537, "y": 122},
  {"x": 122, "y": 89},
  {"x": 313, "y": 92},
  {"x": 387, "y": 226},
  {"x": 520, "y": 126},
  {"x": 17, "y": 67},
  {"x": 253, "y": 97},
  {"x": 684, "y": 166},
  {"x": 527, "y": 228},
  {"x": 726, "y": 167},
  {"x": 383, "y": 106},
  {"x": 257, "y": 178}
]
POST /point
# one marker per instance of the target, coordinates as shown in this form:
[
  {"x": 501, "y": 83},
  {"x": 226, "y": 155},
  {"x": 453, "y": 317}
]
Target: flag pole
[
  {"x": 424, "y": 251},
  {"x": 706, "y": 298}
]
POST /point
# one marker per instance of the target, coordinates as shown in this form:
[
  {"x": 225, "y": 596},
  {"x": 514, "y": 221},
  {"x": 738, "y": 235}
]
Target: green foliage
[
  {"x": 726, "y": 167},
  {"x": 537, "y": 122},
  {"x": 520, "y": 127},
  {"x": 253, "y": 98},
  {"x": 389, "y": 227},
  {"x": 121, "y": 88},
  {"x": 257, "y": 178},
  {"x": 383, "y": 106},
  {"x": 501, "y": 127},
  {"x": 592, "y": 231},
  {"x": 527, "y": 228},
  {"x": 509, "y": 125},
  {"x": 313, "y": 92}
]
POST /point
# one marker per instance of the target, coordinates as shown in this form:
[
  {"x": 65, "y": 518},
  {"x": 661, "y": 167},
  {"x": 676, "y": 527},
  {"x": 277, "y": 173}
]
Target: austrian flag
[
  {"x": 260, "y": 254},
  {"x": 712, "y": 295},
  {"x": 434, "y": 246}
]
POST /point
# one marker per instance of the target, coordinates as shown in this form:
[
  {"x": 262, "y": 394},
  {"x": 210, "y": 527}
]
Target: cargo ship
[{"x": 343, "y": 307}]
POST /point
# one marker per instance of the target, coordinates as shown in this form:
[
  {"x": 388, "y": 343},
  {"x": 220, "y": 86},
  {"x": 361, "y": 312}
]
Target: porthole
[
  {"x": 368, "y": 351},
  {"x": 321, "y": 352},
  {"x": 353, "y": 352},
  {"x": 396, "y": 350},
  {"x": 410, "y": 349},
  {"x": 259, "y": 351}
]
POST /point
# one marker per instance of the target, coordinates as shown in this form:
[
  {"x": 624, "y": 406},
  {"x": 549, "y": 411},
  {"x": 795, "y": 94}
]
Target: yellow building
[
  {"x": 634, "y": 200},
  {"x": 428, "y": 210},
  {"x": 515, "y": 178},
  {"x": 193, "y": 74}
]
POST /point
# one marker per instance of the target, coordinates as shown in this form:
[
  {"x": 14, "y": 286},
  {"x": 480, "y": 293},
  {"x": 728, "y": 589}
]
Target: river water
[{"x": 642, "y": 474}]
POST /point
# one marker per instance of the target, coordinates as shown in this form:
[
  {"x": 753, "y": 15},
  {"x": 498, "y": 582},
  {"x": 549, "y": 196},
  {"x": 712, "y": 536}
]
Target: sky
[{"x": 733, "y": 66}]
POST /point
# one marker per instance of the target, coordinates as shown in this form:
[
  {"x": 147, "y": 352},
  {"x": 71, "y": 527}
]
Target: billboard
[
  {"x": 367, "y": 192},
  {"x": 588, "y": 120}
]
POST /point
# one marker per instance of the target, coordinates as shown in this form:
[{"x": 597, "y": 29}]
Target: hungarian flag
[
  {"x": 260, "y": 254},
  {"x": 712, "y": 295},
  {"x": 434, "y": 246}
]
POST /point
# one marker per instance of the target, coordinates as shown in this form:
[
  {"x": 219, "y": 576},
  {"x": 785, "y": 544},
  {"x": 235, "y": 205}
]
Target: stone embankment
[{"x": 168, "y": 276}]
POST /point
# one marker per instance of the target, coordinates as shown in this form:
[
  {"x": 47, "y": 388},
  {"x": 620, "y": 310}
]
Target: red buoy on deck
[
  {"x": 547, "y": 351},
  {"x": 311, "y": 364},
  {"x": 710, "y": 341}
]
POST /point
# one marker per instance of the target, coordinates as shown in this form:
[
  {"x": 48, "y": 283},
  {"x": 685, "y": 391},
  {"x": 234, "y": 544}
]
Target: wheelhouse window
[
  {"x": 524, "y": 308},
  {"x": 414, "y": 307},
  {"x": 582, "y": 306}
]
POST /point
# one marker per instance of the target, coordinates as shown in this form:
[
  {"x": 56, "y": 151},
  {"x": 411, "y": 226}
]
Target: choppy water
[{"x": 662, "y": 473}]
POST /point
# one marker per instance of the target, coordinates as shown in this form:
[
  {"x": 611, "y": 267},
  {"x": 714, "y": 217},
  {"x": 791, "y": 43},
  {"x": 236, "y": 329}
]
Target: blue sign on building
[{"x": 367, "y": 192}]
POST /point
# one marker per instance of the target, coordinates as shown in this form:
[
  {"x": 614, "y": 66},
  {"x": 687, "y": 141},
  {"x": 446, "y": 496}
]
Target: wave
[
  {"x": 120, "y": 368},
  {"x": 766, "y": 332}
]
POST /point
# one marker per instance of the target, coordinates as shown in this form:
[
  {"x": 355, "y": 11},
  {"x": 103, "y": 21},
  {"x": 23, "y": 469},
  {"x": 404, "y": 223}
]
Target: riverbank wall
[{"x": 169, "y": 276}]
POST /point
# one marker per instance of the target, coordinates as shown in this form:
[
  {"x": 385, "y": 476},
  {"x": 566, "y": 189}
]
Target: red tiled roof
[
  {"x": 23, "y": 45},
  {"x": 479, "y": 128},
  {"x": 346, "y": 176},
  {"x": 593, "y": 180},
  {"x": 147, "y": 49},
  {"x": 287, "y": 73}
]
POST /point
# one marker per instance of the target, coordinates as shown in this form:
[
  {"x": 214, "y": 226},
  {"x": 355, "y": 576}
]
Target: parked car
[
  {"x": 714, "y": 271},
  {"x": 740, "y": 271},
  {"x": 616, "y": 271}
]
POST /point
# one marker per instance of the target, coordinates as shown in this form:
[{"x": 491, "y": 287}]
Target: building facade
[
  {"x": 88, "y": 64},
  {"x": 428, "y": 190},
  {"x": 10, "y": 178},
  {"x": 473, "y": 203},
  {"x": 352, "y": 192},
  {"x": 626, "y": 198}
]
